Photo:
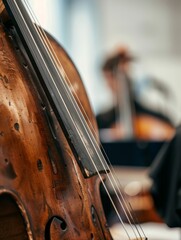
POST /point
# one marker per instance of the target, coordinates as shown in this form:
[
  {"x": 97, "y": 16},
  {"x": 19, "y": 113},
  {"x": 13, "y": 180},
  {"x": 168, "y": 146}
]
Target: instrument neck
[
  {"x": 54, "y": 82},
  {"x": 125, "y": 105}
]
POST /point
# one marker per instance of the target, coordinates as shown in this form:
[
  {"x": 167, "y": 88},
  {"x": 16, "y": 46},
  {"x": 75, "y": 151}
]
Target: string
[
  {"x": 96, "y": 167},
  {"x": 82, "y": 109},
  {"x": 101, "y": 178},
  {"x": 52, "y": 49},
  {"x": 41, "y": 31}
]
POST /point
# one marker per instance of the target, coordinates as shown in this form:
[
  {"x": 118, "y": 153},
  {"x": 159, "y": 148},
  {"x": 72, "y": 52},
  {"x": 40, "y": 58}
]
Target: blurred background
[
  {"x": 90, "y": 30},
  {"x": 146, "y": 36}
]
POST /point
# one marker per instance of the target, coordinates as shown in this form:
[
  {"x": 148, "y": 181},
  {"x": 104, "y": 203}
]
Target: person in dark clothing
[{"x": 166, "y": 175}]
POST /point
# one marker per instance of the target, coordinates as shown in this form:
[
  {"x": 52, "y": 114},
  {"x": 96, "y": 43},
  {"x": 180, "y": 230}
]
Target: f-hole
[{"x": 12, "y": 225}]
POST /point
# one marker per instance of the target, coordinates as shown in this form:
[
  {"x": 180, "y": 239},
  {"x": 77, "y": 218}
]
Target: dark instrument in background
[{"x": 51, "y": 165}]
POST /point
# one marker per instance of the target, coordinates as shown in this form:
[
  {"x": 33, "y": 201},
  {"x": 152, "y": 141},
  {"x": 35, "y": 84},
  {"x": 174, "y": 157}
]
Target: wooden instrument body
[{"x": 43, "y": 194}]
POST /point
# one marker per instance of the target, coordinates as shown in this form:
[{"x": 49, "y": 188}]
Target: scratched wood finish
[{"x": 38, "y": 171}]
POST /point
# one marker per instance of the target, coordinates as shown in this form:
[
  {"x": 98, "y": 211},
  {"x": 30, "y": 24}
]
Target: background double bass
[
  {"x": 129, "y": 118},
  {"x": 48, "y": 188}
]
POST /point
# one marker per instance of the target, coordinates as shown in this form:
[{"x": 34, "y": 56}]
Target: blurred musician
[{"x": 128, "y": 119}]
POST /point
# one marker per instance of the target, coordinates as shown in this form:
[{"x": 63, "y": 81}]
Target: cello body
[{"x": 43, "y": 193}]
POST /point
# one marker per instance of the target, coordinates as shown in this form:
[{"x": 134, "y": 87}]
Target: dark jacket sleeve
[{"x": 166, "y": 175}]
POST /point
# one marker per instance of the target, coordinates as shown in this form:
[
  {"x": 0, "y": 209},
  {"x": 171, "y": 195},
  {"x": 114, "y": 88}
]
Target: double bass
[
  {"x": 128, "y": 118},
  {"x": 51, "y": 164}
]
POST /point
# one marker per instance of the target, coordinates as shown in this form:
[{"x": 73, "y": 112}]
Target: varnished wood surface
[{"x": 37, "y": 166}]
